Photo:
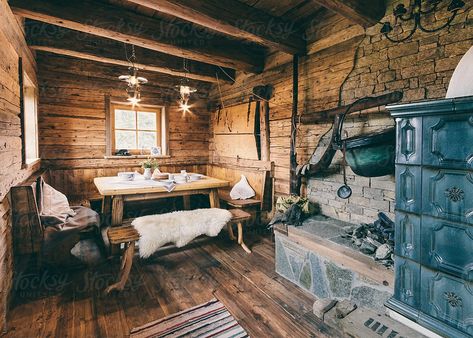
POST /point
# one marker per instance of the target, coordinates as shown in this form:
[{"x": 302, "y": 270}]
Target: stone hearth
[{"x": 317, "y": 258}]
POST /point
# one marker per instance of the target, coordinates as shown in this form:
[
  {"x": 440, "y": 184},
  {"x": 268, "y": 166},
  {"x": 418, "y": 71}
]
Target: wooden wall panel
[
  {"x": 72, "y": 123},
  {"x": 236, "y": 145},
  {"x": 13, "y": 46},
  {"x": 238, "y": 119},
  {"x": 321, "y": 74}
]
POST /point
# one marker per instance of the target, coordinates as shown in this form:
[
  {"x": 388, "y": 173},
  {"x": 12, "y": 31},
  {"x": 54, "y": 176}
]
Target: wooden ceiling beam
[
  {"x": 62, "y": 68},
  {"x": 85, "y": 46},
  {"x": 366, "y": 13},
  {"x": 104, "y": 20},
  {"x": 236, "y": 19}
]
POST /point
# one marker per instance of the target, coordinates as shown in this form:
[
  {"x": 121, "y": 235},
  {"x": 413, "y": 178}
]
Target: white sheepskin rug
[{"x": 178, "y": 227}]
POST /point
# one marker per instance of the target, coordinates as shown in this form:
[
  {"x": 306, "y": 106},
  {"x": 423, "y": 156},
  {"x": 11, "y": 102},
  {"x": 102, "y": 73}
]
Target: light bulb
[
  {"x": 184, "y": 106},
  {"x": 134, "y": 100}
]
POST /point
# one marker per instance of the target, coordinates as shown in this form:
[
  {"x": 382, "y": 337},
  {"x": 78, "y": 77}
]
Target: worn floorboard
[{"x": 72, "y": 303}]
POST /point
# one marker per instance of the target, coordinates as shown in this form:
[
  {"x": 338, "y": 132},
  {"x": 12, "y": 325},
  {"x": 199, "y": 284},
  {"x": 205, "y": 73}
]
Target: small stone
[
  {"x": 348, "y": 229},
  {"x": 373, "y": 242},
  {"x": 387, "y": 262},
  {"x": 344, "y": 308},
  {"x": 376, "y": 237},
  {"x": 383, "y": 252},
  {"x": 322, "y": 306},
  {"x": 358, "y": 242},
  {"x": 360, "y": 231},
  {"x": 367, "y": 248}
]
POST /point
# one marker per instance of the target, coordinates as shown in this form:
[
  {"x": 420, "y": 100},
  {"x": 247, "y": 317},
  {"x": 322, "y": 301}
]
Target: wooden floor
[{"x": 72, "y": 304}]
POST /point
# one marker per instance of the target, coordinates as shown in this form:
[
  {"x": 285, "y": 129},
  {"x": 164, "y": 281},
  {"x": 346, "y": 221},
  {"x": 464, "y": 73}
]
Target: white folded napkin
[{"x": 169, "y": 187}]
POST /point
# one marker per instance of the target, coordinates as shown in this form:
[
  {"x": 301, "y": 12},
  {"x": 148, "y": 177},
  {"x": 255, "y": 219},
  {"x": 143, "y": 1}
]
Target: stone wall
[
  {"x": 421, "y": 68},
  {"x": 326, "y": 279}
]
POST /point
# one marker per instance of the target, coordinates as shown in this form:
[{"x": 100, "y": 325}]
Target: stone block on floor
[{"x": 322, "y": 306}]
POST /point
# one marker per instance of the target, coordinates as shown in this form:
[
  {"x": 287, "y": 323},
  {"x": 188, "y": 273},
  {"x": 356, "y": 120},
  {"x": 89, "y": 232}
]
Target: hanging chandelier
[
  {"x": 416, "y": 12},
  {"x": 185, "y": 90},
  {"x": 132, "y": 79}
]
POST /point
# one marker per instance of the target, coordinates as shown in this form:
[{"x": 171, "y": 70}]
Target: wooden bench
[
  {"x": 123, "y": 235},
  {"x": 128, "y": 235},
  {"x": 258, "y": 178},
  {"x": 30, "y": 235}
]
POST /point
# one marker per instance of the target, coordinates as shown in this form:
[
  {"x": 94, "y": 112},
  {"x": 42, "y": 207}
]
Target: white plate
[{"x": 167, "y": 181}]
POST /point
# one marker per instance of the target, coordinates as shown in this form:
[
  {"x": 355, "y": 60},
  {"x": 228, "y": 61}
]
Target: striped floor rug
[{"x": 211, "y": 319}]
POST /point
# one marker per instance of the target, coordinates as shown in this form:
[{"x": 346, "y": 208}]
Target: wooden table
[{"x": 116, "y": 192}]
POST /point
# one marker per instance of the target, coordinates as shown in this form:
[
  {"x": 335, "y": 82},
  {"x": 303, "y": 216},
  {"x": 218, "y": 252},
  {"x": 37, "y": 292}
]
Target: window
[
  {"x": 137, "y": 129},
  {"x": 30, "y": 121}
]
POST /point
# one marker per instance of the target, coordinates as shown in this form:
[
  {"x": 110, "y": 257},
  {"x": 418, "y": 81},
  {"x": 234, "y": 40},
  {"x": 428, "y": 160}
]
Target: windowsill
[
  {"x": 31, "y": 163},
  {"x": 115, "y": 157}
]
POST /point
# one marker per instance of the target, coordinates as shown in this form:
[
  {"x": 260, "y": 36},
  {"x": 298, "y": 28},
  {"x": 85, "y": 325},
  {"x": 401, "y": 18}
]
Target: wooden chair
[
  {"x": 259, "y": 179},
  {"x": 239, "y": 217},
  {"x": 128, "y": 235}
]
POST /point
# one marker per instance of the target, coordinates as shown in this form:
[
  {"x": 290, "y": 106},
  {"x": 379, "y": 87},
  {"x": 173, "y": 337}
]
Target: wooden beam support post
[
  {"x": 108, "y": 21},
  {"x": 235, "y": 18},
  {"x": 366, "y": 13},
  {"x": 294, "y": 184},
  {"x": 86, "y": 46}
]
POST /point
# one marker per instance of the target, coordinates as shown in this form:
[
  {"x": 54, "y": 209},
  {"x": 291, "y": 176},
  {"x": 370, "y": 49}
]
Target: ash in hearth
[{"x": 376, "y": 239}]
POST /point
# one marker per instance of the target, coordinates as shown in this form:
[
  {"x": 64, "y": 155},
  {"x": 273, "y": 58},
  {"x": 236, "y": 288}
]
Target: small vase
[{"x": 147, "y": 174}]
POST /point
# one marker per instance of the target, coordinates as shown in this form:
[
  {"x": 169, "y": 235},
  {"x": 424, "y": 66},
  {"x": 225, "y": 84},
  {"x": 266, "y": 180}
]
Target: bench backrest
[
  {"x": 259, "y": 179},
  {"x": 27, "y": 228}
]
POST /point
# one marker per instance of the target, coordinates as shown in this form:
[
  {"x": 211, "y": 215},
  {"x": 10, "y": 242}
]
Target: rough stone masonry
[{"x": 421, "y": 68}]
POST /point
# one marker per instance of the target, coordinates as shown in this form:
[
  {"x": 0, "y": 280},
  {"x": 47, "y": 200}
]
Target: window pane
[
  {"x": 146, "y": 120},
  {"x": 125, "y": 119},
  {"x": 146, "y": 139},
  {"x": 30, "y": 124},
  {"x": 125, "y": 139}
]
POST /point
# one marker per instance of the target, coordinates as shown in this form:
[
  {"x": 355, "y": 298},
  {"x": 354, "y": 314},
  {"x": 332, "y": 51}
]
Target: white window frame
[
  {"x": 162, "y": 127},
  {"x": 30, "y": 136}
]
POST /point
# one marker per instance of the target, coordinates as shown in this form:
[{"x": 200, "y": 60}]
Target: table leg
[
  {"x": 187, "y": 202},
  {"x": 127, "y": 261},
  {"x": 106, "y": 205},
  {"x": 117, "y": 211},
  {"x": 214, "y": 200}
]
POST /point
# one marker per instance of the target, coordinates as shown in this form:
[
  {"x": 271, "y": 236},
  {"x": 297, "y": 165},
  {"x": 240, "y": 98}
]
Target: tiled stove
[{"x": 434, "y": 216}]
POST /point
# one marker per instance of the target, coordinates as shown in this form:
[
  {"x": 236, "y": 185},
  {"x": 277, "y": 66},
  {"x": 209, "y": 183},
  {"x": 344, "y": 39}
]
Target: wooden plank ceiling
[{"x": 218, "y": 37}]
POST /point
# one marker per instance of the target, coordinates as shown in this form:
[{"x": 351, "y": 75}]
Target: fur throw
[{"x": 178, "y": 227}]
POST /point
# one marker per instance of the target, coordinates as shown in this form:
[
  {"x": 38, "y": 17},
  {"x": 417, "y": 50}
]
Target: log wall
[
  {"x": 345, "y": 63},
  {"x": 72, "y": 123},
  {"x": 11, "y": 169}
]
